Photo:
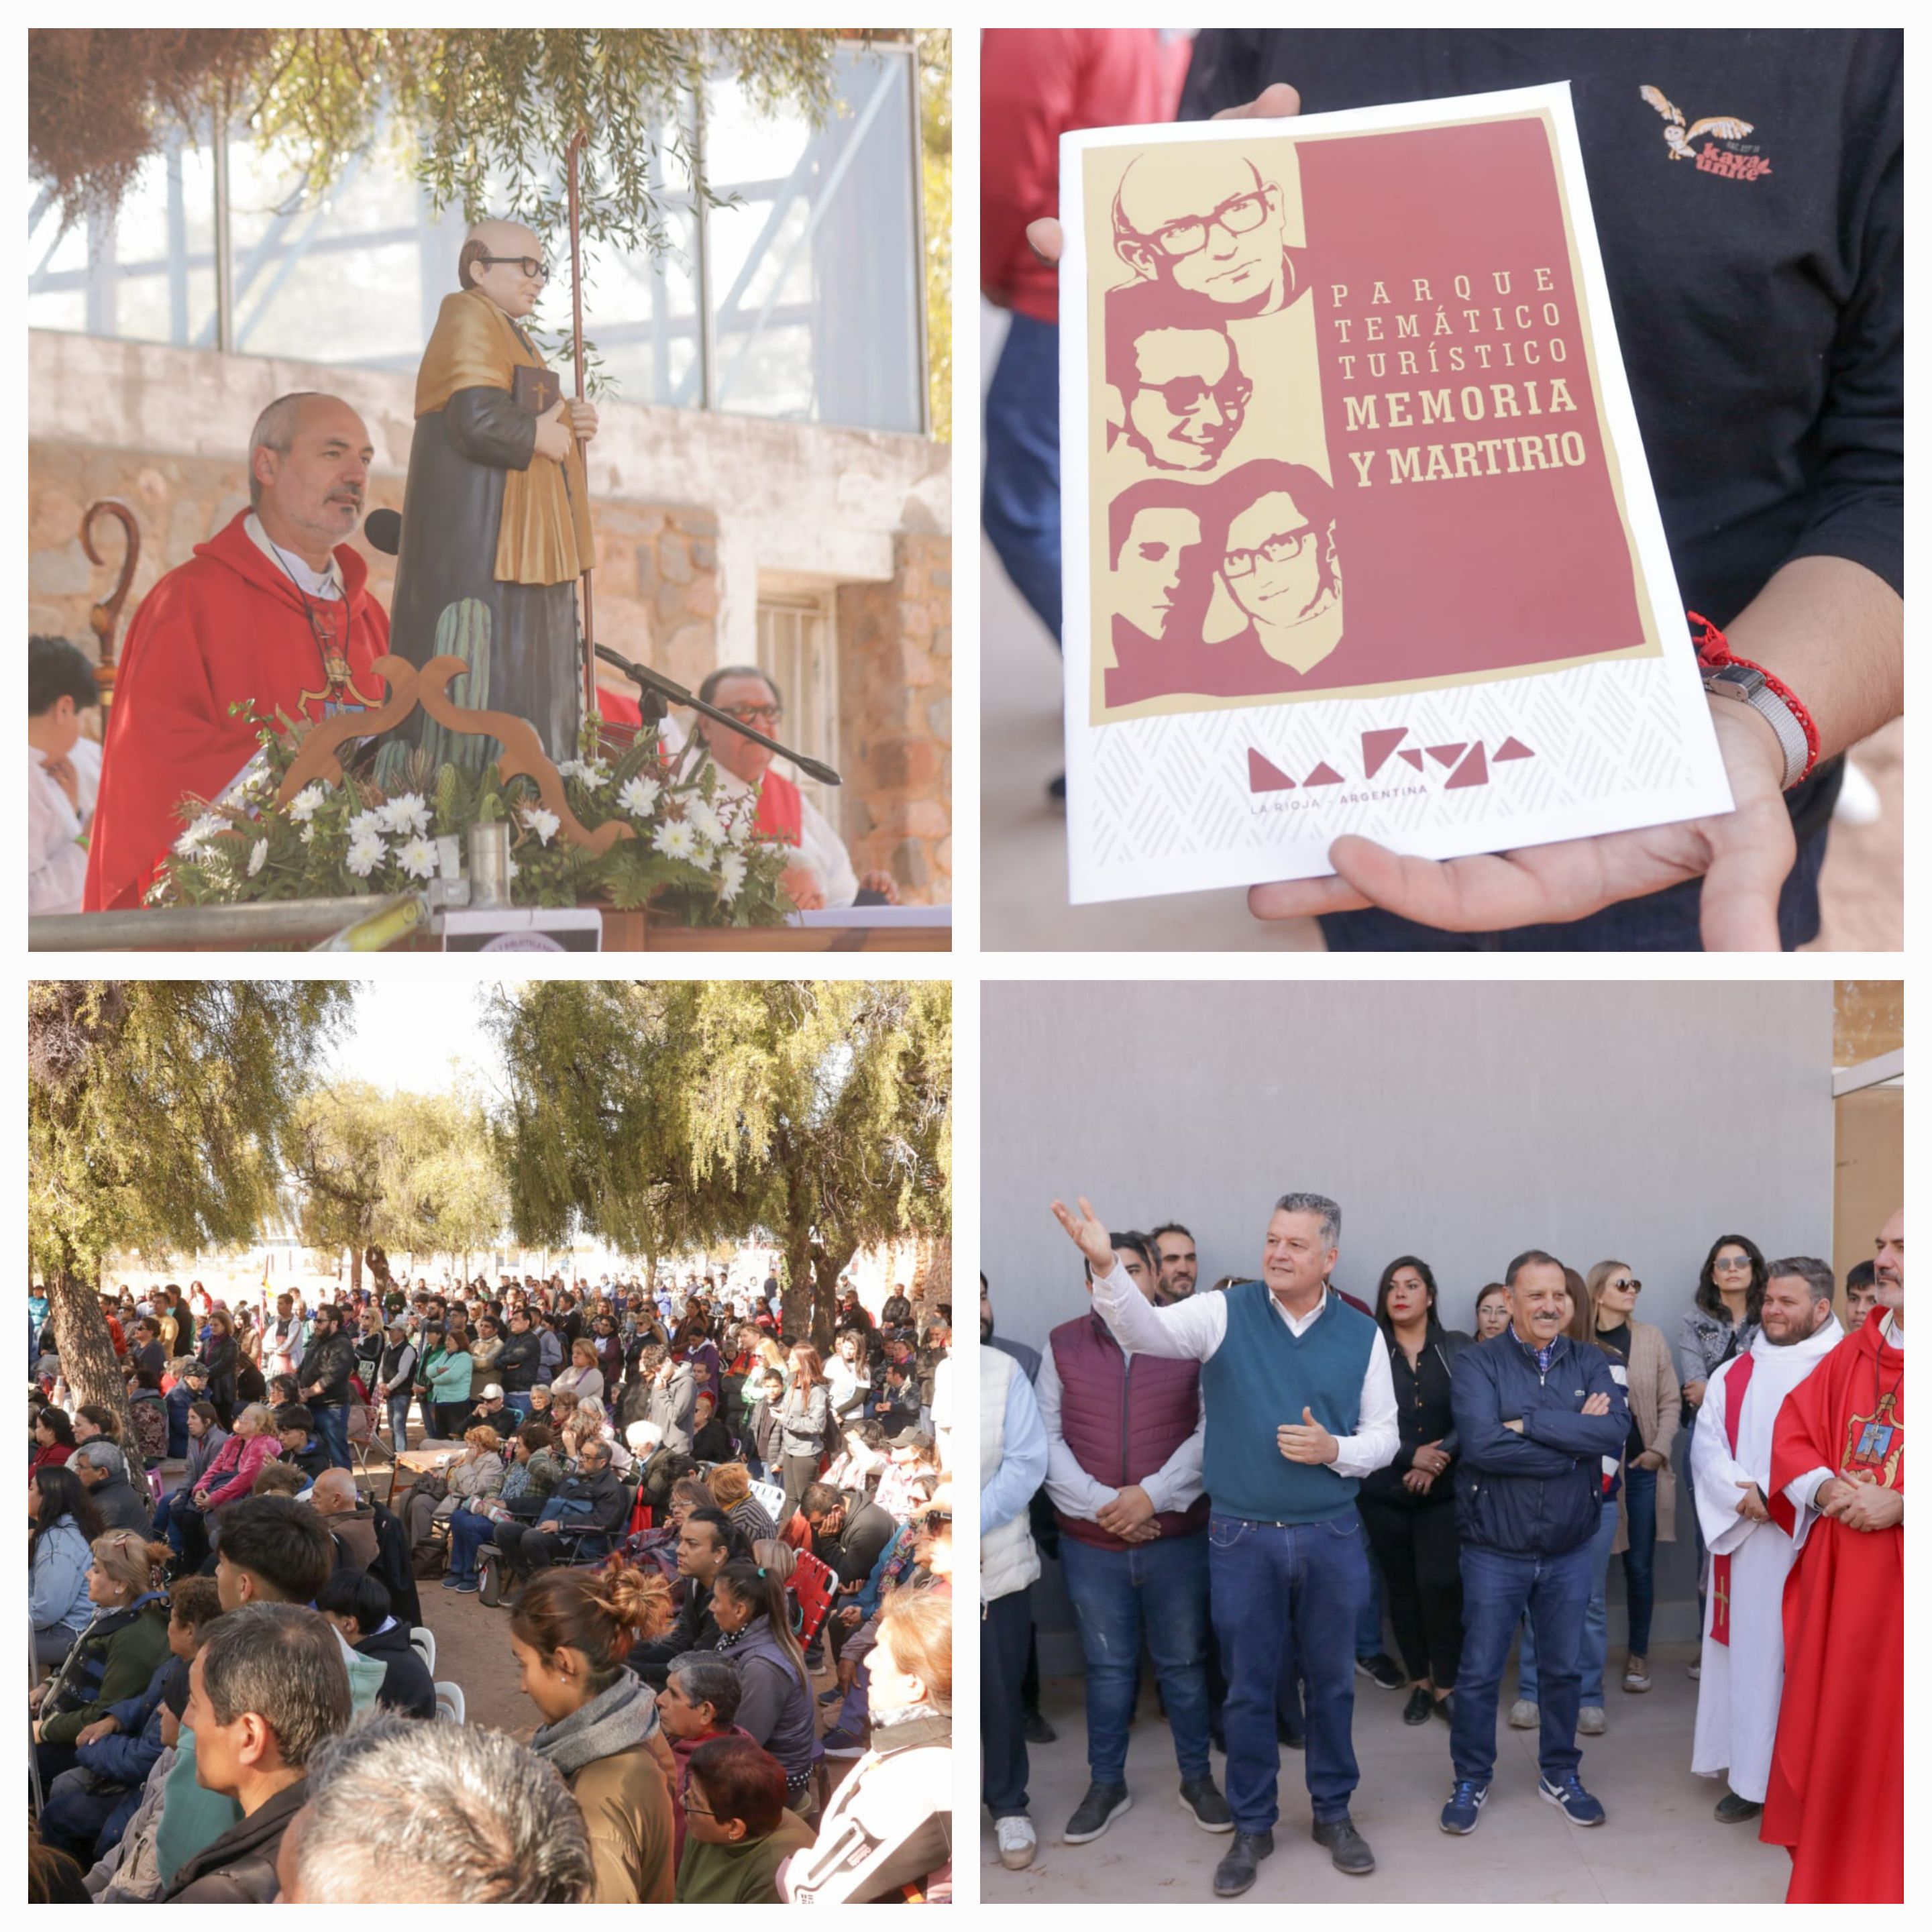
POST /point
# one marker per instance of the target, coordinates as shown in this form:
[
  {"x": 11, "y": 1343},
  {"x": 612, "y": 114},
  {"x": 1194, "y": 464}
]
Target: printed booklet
[{"x": 1358, "y": 535}]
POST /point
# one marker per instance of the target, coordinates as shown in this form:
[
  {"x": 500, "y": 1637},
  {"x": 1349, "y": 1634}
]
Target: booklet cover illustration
[{"x": 1359, "y": 533}]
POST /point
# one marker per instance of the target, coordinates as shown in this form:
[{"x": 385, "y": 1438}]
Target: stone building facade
[{"x": 706, "y": 524}]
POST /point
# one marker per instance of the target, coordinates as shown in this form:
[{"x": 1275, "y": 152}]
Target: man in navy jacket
[{"x": 1536, "y": 1415}]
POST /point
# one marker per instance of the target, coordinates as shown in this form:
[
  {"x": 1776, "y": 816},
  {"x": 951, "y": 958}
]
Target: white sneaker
[
  {"x": 1018, "y": 1842},
  {"x": 1590, "y": 1721},
  {"x": 1524, "y": 1716}
]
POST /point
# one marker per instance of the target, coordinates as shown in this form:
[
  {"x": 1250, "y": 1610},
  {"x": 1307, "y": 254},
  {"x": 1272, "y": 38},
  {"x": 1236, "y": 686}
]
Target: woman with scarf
[
  {"x": 570, "y": 1632},
  {"x": 775, "y": 1708}
]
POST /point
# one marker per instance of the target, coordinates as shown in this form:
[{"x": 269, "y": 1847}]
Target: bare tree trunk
[
  {"x": 921, "y": 1271},
  {"x": 796, "y": 1297},
  {"x": 88, "y": 1361},
  {"x": 355, "y": 1269},
  {"x": 828, "y": 1265}
]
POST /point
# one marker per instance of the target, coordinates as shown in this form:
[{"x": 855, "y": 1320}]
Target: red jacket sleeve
[{"x": 1802, "y": 1437}]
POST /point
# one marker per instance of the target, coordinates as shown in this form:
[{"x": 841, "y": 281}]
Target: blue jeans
[
  {"x": 1640, "y": 1558},
  {"x": 331, "y": 1427},
  {"x": 1368, "y": 1643},
  {"x": 1267, "y": 1579},
  {"x": 1497, "y": 1588},
  {"x": 166, "y": 1529},
  {"x": 1665, "y": 922},
  {"x": 399, "y": 1420},
  {"x": 468, "y": 1533},
  {"x": 1020, "y": 502},
  {"x": 1594, "y": 1652},
  {"x": 1156, "y": 1590}
]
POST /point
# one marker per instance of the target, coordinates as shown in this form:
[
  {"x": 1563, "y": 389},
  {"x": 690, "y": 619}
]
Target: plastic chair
[
  {"x": 422, "y": 1641},
  {"x": 449, "y": 1703}
]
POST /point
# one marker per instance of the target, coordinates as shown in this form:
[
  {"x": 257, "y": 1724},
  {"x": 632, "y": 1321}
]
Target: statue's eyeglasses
[{"x": 537, "y": 271}]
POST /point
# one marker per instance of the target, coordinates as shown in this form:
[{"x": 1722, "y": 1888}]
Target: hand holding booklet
[{"x": 1358, "y": 535}]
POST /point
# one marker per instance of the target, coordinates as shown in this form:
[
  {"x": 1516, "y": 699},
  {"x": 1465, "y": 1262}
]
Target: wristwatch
[{"x": 1747, "y": 685}]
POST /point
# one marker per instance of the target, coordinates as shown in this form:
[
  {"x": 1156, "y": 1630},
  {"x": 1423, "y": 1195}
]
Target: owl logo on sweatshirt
[{"x": 1681, "y": 141}]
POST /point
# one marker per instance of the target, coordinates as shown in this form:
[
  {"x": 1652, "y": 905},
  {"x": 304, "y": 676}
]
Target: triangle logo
[{"x": 1264, "y": 776}]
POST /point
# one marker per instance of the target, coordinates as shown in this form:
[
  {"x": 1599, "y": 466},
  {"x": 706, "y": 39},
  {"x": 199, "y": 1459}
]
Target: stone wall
[
  {"x": 895, "y": 660},
  {"x": 695, "y": 513}
]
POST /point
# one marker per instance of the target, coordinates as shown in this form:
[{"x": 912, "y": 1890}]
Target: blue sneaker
[
  {"x": 468, "y": 1587},
  {"x": 452, "y": 1582},
  {"x": 1465, "y": 1806},
  {"x": 1576, "y": 1804}
]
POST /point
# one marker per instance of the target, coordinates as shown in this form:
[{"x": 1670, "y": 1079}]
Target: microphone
[
  {"x": 384, "y": 530},
  {"x": 671, "y": 689}
]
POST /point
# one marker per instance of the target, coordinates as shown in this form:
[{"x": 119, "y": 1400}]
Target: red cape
[
  {"x": 781, "y": 809},
  {"x": 1836, "y": 1796},
  {"x": 227, "y": 624}
]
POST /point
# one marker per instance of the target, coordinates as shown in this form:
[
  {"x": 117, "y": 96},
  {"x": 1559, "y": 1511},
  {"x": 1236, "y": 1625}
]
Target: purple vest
[{"x": 1123, "y": 1417}]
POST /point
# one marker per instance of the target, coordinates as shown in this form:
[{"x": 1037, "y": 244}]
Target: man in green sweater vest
[{"x": 1300, "y": 1406}]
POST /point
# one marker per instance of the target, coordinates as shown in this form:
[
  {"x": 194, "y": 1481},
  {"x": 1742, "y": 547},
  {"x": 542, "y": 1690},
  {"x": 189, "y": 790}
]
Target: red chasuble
[
  {"x": 227, "y": 624},
  {"x": 1837, "y": 1795},
  {"x": 781, "y": 810}
]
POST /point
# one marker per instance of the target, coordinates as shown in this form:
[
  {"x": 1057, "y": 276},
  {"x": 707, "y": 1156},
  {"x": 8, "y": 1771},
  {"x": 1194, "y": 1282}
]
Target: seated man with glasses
[
  {"x": 822, "y": 875},
  {"x": 497, "y": 507},
  {"x": 1202, "y": 222}
]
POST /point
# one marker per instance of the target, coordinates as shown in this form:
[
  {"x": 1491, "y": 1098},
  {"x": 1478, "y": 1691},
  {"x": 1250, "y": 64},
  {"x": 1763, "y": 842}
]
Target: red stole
[
  {"x": 1737, "y": 1379},
  {"x": 1837, "y": 1793},
  {"x": 781, "y": 810}
]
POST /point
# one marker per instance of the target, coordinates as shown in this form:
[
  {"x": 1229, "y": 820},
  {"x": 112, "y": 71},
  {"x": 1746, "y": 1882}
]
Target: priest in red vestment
[
  {"x": 823, "y": 874},
  {"x": 269, "y": 610},
  {"x": 1836, "y": 1796}
]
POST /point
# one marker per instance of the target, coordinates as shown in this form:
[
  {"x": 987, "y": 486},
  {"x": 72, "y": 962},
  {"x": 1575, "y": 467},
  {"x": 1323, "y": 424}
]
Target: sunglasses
[
  {"x": 754, "y": 714},
  {"x": 1185, "y": 394},
  {"x": 936, "y": 1520},
  {"x": 1635, "y": 1287},
  {"x": 1732, "y": 1263}
]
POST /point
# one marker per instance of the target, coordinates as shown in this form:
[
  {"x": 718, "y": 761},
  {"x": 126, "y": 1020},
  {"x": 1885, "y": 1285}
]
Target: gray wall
[{"x": 1458, "y": 1122}]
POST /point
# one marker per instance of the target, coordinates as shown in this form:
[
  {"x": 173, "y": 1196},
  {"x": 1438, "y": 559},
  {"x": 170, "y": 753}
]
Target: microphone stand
[{"x": 656, "y": 691}]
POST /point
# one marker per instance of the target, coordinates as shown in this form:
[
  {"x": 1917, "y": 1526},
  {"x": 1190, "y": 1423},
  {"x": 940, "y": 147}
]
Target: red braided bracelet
[{"x": 1715, "y": 652}]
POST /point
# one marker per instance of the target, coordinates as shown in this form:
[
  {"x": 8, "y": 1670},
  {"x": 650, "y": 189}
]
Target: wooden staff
[
  {"x": 577, "y": 331},
  {"x": 104, "y": 619}
]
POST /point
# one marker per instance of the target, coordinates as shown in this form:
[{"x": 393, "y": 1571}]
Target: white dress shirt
[
  {"x": 1196, "y": 1328},
  {"x": 820, "y": 846},
  {"x": 1174, "y": 1486},
  {"x": 56, "y": 859}
]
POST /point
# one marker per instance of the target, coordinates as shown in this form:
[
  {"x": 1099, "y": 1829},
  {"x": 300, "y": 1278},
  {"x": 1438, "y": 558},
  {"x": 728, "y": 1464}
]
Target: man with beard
[
  {"x": 273, "y": 612},
  {"x": 1742, "y": 1671},
  {"x": 1836, "y": 1796},
  {"x": 1179, "y": 1266},
  {"x": 1028, "y": 1358}
]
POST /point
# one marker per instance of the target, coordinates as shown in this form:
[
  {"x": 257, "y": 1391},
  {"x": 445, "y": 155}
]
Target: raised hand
[{"x": 1088, "y": 1233}]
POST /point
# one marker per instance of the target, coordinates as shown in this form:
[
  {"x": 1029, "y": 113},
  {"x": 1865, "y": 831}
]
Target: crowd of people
[
  {"x": 724, "y": 1564},
  {"x": 1244, "y": 1479}
]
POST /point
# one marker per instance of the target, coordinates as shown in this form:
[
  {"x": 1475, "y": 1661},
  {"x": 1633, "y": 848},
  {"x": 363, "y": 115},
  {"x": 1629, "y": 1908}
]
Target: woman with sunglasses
[
  {"x": 1720, "y": 1323},
  {"x": 1647, "y": 1503}
]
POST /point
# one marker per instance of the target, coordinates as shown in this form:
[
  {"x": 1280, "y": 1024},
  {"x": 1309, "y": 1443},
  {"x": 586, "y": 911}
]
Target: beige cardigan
[{"x": 1654, "y": 1397}]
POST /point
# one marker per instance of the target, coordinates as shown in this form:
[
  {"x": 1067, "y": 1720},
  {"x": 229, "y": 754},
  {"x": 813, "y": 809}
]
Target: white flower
[
  {"x": 676, "y": 840},
  {"x": 731, "y": 869},
  {"x": 405, "y": 814},
  {"x": 591, "y": 773},
  {"x": 367, "y": 825},
  {"x": 190, "y": 843},
  {"x": 308, "y": 803},
  {"x": 418, "y": 858},
  {"x": 308, "y": 835},
  {"x": 258, "y": 857},
  {"x": 542, "y": 823},
  {"x": 366, "y": 852},
  {"x": 703, "y": 820},
  {"x": 639, "y": 797}
]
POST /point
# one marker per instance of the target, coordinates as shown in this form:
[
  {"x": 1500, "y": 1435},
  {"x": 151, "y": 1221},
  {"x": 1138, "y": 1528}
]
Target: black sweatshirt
[{"x": 1758, "y": 296}]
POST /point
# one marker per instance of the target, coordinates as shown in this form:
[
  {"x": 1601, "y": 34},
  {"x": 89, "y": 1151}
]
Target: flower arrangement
[{"x": 696, "y": 857}]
